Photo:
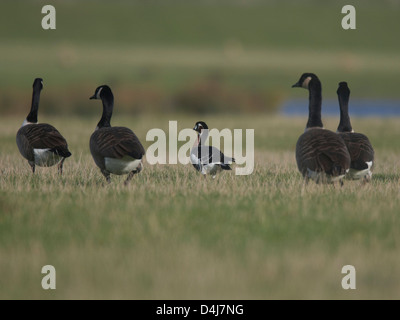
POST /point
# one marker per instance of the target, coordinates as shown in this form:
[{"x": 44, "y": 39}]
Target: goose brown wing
[
  {"x": 321, "y": 150},
  {"x": 360, "y": 149},
  {"x": 44, "y": 136},
  {"x": 24, "y": 146},
  {"x": 116, "y": 142}
]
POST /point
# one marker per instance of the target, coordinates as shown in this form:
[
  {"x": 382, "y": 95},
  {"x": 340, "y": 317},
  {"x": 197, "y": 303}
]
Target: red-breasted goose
[
  {"x": 207, "y": 159},
  {"x": 115, "y": 150},
  {"x": 40, "y": 143},
  {"x": 359, "y": 146},
  {"x": 321, "y": 154}
]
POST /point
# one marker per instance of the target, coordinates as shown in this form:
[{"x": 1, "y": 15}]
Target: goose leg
[
  {"x": 33, "y": 167},
  {"x": 106, "y": 174},
  {"x": 132, "y": 173},
  {"x": 367, "y": 179},
  {"x": 364, "y": 181},
  {"x": 130, "y": 176},
  {"x": 60, "y": 167},
  {"x": 305, "y": 184}
]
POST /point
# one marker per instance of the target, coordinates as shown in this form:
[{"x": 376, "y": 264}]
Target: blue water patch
[{"x": 357, "y": 108}]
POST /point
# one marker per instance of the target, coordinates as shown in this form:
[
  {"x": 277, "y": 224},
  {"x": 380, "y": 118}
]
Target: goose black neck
[
  {"x": 345, "y": 124},
  {"x": 315, "y": 102},
  {"x": 33, "y": 114},
  {"x": 108, "y": 106},
  {"x": 203, "y": 137}
]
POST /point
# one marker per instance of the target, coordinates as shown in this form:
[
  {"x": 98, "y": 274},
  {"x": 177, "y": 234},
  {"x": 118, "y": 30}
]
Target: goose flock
[
  {"x": 325, "y": 156},
  {"x": 322, "y": 155}
]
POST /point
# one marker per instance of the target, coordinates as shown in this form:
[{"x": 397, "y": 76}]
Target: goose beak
[
  {"x": 92, "y": 97},
  {"x": 296, "y": 85}
]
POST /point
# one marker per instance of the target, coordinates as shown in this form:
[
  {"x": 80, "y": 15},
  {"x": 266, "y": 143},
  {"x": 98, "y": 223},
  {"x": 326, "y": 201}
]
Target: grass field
[{"x": 173, "y": 235}]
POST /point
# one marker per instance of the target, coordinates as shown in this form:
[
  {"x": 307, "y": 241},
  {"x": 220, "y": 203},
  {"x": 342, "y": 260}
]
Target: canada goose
[
  {"x": 207, "y": 159},
  {"x": 40, "y": 143},
  {"x": 115, "y": 150},
  {"x": 321, "y": 154},
  {"x": 359, "y": 146}
]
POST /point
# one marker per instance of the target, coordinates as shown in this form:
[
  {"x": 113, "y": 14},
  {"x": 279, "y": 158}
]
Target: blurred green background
[{"x": 194, "y": 56}]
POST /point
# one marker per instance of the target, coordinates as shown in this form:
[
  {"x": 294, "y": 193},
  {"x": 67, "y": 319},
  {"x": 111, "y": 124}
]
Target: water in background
[{"x": 357, "y": 108}]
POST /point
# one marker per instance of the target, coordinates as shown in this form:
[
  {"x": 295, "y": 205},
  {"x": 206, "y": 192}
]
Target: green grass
[
  {"x": 171, "y": 234},
  {"x": 198, "y": 23}
]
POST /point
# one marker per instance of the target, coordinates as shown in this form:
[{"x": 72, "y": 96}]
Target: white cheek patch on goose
[
  {"x": 98, "y": 93},
  {"x": 306, "y": 82}
]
